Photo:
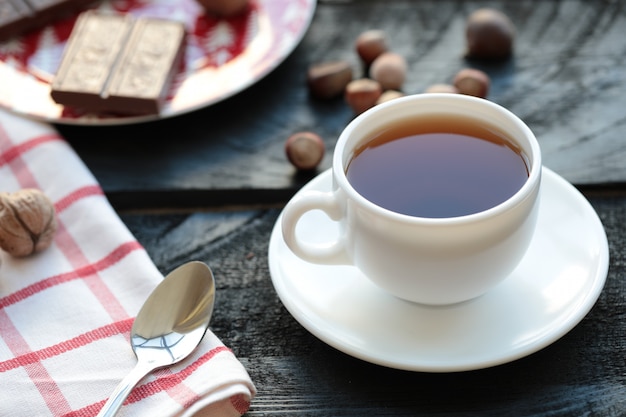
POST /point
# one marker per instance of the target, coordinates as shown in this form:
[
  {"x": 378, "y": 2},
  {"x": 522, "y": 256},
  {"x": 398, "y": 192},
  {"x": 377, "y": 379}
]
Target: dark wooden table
[{"x": 209, "y": 186}]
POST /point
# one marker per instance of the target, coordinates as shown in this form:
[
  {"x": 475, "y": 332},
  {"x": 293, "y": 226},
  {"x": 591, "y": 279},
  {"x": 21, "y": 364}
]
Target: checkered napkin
[{"x": 66, "y": 312}]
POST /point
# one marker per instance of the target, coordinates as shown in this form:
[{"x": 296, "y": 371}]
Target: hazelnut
[
  {"x": 304, "y": 150},
  {"x": 27, "y": 222},
  {"x": 329, "y": 79},
  {"x": 489, "y": 34},
  {"x": 442, "y": 88},
  {"x": 370, "y": 44},
  {"x": 224, "y": 8},
  {"x": 472, "y": 82},
  {"x": 389, "y": 69},
  {"x": 363, "y": 94},
  {"x": 389, "y": 95}
]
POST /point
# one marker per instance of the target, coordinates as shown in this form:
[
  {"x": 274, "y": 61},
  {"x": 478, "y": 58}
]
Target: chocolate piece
[
  {"x": 146, "y": 67},
  {"x": 20, "y": 16},
  {"x": 113, "y": 63},
  {"x": 89, "y": 56}
]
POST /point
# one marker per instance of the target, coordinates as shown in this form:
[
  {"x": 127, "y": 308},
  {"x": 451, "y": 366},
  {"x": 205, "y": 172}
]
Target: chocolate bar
[
  {"x": 20, "y": 16},
  {"x": 115, "y": 63}
]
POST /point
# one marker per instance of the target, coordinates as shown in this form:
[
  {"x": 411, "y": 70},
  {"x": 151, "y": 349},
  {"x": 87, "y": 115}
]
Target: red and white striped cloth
[{"x": 66, "y": 312}]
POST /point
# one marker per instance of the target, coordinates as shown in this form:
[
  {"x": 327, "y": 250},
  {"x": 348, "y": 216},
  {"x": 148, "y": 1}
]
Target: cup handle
[{"x": 329, "y": 253}]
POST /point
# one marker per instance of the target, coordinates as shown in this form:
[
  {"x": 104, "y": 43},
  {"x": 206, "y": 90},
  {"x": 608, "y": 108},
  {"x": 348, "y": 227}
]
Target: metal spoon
[{"x": 169, "y": 326}]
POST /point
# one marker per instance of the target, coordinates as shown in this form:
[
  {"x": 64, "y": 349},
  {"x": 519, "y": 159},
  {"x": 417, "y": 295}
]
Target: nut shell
[
  {"x": 27, "y": 222},
  {"x": 329, "y": 79},
  {"x": 370, "y": 44},
  {"x": 389, "y": 95},
  {"x": 305, "y": 150},
  {"x": 489, "y": 35},
  {"x": 472, "y": 82},
  {"x": 362, "y": 94},
  {"x": 389, "y": 69},
  {"x": 442, "y": 88}
]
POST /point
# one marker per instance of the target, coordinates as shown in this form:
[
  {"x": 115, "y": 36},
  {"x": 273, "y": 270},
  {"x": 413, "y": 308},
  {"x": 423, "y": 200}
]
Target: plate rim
[{"x": 89, "y": 120}]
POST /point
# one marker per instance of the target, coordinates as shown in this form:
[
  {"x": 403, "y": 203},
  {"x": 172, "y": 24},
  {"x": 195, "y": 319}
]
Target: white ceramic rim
[
  {"x": 563, "y": 204},
  {"x": 526, "y": 191}
]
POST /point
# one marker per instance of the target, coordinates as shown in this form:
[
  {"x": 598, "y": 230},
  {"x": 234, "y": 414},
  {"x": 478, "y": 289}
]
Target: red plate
[{"x": 222, "y": 57}]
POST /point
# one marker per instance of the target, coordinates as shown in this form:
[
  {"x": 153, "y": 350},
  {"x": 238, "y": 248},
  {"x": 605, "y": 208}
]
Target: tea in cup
[{"x": 436, "y": 196}]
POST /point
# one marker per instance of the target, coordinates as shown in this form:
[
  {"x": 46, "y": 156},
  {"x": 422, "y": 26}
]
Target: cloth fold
[{"x": 66, "y": 312}]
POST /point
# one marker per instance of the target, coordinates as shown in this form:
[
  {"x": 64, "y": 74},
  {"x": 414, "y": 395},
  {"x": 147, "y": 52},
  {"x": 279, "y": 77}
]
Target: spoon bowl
[{"x": 169, "y": 326}]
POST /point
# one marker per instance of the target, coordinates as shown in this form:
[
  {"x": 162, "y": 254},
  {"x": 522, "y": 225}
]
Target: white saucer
[{"x": 551, "y": 291}]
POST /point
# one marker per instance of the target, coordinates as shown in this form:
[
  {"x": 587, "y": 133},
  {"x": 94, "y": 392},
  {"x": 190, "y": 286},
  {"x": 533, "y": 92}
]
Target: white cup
[{"x": 424, "y": 260}]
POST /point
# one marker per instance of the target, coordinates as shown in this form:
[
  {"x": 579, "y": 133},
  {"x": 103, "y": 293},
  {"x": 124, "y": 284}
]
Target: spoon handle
[{"x": 115, "y": 401}]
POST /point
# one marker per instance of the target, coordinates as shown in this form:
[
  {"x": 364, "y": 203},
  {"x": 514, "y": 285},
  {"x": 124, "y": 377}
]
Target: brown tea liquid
[{"x": 438, "y": 166}]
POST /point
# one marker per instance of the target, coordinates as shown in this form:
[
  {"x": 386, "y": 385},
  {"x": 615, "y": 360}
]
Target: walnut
[{"x": 27, "y": 222}]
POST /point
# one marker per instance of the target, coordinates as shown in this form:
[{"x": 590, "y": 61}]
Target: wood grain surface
[
  {"x": 209, "y": 186},
  {"x": 566, "y": 80},
  {"x": 582, "y": 374}
]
